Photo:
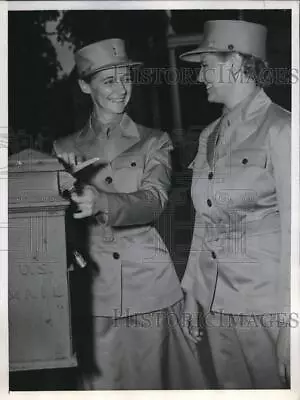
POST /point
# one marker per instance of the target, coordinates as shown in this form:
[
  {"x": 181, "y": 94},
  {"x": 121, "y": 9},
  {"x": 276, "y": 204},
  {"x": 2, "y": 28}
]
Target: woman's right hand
[{"x": 192, "y": 320}]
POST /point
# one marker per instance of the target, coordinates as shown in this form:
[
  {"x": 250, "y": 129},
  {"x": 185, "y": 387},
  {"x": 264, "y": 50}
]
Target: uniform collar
[
  {"x": 249, "y": 108},
  {"x": 125, "y": 135},
  {"x": 238, "y": 124},
  {"x": 127, "y": 127}
]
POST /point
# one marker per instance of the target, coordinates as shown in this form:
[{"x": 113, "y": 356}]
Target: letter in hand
[
  {"x": 74, "y": 164},
  {"x": 70, "y": 161},
  {"x": 81, "y": 170},
  {"x": 86, "y": 169}
]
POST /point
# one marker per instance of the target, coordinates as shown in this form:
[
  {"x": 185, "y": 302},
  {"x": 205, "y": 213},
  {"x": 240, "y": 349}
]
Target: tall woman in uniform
[
  {"x": 238, "y": 273},
  {"x": 136, "y": 298}
]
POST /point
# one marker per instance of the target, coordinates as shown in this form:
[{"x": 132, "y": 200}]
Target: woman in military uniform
[
  {"x": 238, "y": 273},
  {"x": 136, "y": 298}
]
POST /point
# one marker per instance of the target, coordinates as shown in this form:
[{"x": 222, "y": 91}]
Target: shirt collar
[
  {"x": 106, "y": 130},
  {"x": 122, "y": 125}
]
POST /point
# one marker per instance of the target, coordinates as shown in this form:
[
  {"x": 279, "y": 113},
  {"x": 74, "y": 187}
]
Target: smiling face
[
  {"x": 110, "y": 90},
  {"x": 216, "y": 74}
]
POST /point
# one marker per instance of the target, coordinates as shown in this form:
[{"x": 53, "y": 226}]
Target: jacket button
[
  {"x": 213, "y": 254},
  {"x": 209, "y": 203},
  {"x": 245, "y": 161},
  {"x": 108, "y": 179},
  {"x": 116, "y": 256},
  {"x": 210, "y": 175},
  {"x": 133, "y": 164}
]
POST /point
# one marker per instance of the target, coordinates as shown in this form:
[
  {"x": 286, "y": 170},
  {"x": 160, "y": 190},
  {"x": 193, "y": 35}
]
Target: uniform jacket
[
  {"x": 133, "y": 273},
  {"x": 240, "y": 254}
]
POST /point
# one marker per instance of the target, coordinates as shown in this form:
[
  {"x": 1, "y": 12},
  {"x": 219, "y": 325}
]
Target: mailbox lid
[
  {"x": 33, "y": 180},
  {"x": 30, "y": 160}
]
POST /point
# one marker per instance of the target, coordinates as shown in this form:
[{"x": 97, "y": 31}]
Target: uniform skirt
[{"x": 143, "y": 352}]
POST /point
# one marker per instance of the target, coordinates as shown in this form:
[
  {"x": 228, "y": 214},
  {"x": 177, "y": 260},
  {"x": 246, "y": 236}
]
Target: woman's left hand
[
  {"x": 283, "y": 354},
  {"x": 85, "y": 202}
]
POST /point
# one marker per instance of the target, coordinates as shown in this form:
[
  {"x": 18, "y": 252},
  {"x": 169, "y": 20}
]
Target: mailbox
[{"x": 40, "y": 333}]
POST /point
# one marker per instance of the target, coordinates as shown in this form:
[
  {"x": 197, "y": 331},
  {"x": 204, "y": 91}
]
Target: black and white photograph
[{"x": 152, "y": 205}]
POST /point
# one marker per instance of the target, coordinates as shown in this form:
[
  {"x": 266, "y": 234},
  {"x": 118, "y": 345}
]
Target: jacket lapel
[
  {"x": 211, "y": 142},
  {"x": 88, "y": 143},
  {"x": 252, "y": 117}
]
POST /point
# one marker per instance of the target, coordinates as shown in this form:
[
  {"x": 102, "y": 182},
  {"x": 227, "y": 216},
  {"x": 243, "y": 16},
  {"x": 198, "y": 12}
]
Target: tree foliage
[
  {"x": 136, "y": 27},
  {"x": 32, "y": 68}
]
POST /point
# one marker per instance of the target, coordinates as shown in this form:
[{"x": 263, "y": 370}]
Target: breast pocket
[
  {"x": 247, "y": 158},
  {"x": 128, "y": 173},
  {"x": 244, "y": 179}
]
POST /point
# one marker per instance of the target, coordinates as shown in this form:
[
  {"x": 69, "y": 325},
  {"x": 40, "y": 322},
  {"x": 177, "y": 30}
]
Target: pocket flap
[
  {"x": 248, "y": 157},
  {"x": 128, "y": 161}
]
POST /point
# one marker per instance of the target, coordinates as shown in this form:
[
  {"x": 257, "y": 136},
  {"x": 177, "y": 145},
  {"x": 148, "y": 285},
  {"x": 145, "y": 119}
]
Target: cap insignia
[{"x": 115, "y": 51}]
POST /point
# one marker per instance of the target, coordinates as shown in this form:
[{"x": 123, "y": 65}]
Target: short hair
[
  {"x": 87, "y": 79},
  {"x": 253, "y": 67}
]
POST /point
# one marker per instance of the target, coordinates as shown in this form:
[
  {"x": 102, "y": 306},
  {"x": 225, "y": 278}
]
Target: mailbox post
[{"x": 39, "y": 303}]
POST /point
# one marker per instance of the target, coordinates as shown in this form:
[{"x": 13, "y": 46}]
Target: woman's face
[
  {"x": 216, "y": 74},
  {"x": 110, "y": 89}
]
